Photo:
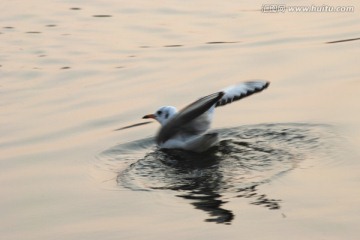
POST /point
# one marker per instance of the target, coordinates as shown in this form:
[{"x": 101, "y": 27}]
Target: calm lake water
[{"x": 71, "y": 72}]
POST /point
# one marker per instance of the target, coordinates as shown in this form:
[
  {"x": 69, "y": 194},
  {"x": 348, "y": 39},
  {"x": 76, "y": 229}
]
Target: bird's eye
[
  {"x": 159, "y": 112},
  {"x": 166, "y": 115}
]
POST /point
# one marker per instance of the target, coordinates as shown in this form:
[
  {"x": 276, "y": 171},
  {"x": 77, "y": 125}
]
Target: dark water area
[{"x": 246, "y": 158}]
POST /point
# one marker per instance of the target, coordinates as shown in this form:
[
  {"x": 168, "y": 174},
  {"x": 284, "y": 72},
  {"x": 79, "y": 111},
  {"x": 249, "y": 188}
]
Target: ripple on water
[{"x": 246, "y": 157}]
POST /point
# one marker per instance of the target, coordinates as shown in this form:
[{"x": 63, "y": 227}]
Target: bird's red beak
[{"x": 149, "y": 116}]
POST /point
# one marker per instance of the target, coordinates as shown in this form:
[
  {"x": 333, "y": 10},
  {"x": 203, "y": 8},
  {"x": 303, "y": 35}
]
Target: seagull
[{"x": 187, "y": 129}]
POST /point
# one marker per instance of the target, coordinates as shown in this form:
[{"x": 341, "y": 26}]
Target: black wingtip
[{"x": 266, "y": 84}]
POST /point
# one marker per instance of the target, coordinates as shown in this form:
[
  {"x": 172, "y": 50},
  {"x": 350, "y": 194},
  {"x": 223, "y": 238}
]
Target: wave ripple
[{"x": 246, "y": 157}]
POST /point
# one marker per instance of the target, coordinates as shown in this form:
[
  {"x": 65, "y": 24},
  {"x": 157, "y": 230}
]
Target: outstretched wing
[
  {"x": 196, "y": 117},
  {"x": 182, "y": 121},
  {"x": 241, "y": 90}
]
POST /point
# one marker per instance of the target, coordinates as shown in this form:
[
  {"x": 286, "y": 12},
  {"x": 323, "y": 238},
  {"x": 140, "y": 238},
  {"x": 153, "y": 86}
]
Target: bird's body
[{"x": 186, "y": 129}]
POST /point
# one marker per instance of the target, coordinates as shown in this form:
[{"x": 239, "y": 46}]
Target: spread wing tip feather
[{"x": 241, "y": 90}]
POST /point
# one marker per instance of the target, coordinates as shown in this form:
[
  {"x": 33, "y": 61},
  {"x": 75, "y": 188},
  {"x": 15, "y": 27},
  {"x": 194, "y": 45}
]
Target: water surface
[{"x": 73, "y": 71}]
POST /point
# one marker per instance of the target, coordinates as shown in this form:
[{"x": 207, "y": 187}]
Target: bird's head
[{"x": 163, "y": 114}]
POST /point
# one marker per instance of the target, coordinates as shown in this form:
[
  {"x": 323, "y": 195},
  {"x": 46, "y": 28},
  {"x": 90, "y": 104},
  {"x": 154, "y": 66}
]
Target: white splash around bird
[{"x": 187, "y": 129}]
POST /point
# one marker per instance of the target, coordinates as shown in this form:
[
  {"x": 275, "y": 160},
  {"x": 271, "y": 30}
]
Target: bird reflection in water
[{"x": 201, "y": 183}]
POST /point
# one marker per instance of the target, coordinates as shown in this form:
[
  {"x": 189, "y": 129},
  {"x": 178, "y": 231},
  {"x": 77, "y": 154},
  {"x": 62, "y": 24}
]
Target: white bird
[{"x": 187, "y": 128}]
